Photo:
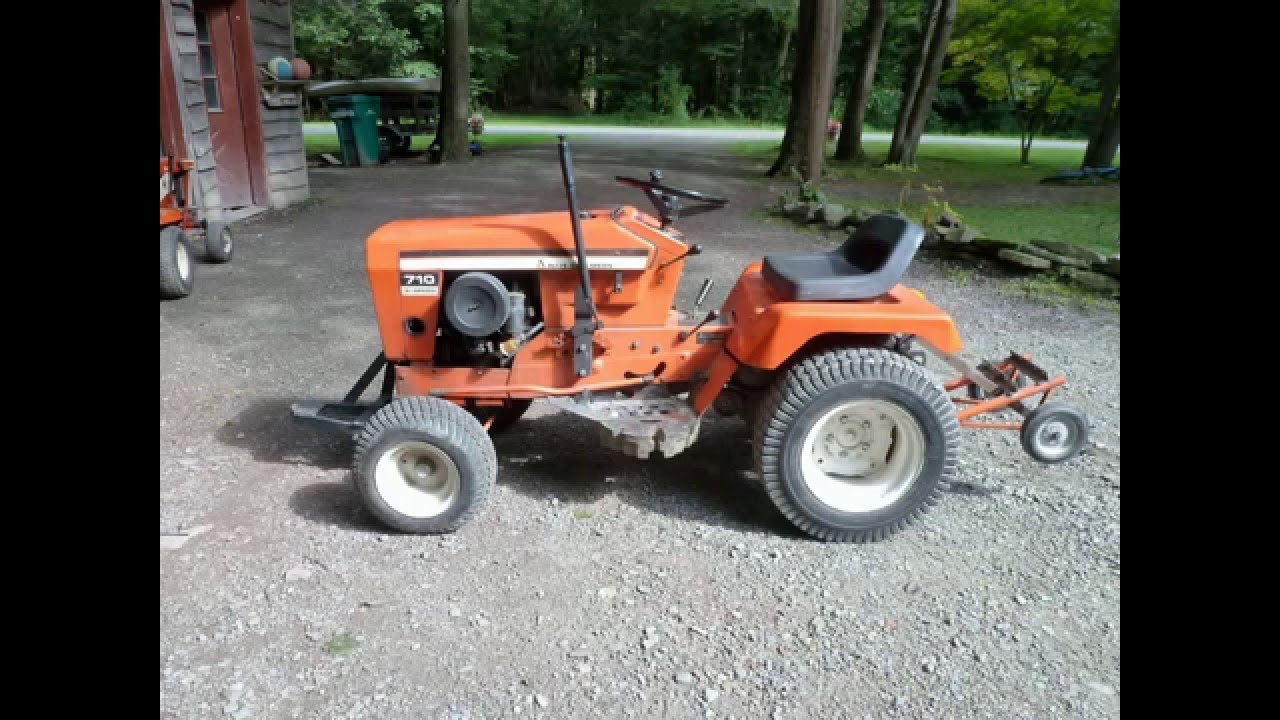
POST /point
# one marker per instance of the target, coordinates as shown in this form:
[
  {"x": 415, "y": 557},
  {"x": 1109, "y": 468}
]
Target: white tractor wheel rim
[
  {"x": 1054, "y": 439},
  {"x": 184, "y": 261},
  {"x": 417, "y": 479},
  {"x": 862, "y": 456}
]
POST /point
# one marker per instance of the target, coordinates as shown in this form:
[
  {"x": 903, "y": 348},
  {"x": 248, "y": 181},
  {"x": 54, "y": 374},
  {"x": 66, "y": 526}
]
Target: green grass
[
  {"x": 942, "y": 164},
  {"x": 625, "y": 121},
  {"x": 341, "y": 645},
  {"x": 316, "y": 144},
  {"x": 1091, "y": 224},
  {"x": 1049, "y": 290}
]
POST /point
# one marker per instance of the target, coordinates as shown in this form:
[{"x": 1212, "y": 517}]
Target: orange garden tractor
[
  {"x": 179, "y": 224},
  {"x": 820, "y": 353}
]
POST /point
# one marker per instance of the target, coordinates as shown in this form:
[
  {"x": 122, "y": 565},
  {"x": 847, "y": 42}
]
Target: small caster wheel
[{"x": 1054, "y": 432}]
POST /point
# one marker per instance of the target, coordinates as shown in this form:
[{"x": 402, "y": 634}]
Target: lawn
[
  {"x": 1002, "y": 197},
  {"x": 328, "y": 143},
  {"x": 941, "y": 164},
  {"x": 498, "y": 118},
  {"x": 1091, "y": 224}
]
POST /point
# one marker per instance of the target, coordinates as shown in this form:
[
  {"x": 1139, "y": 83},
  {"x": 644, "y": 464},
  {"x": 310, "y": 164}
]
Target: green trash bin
[{"x": 356, "y": 117}]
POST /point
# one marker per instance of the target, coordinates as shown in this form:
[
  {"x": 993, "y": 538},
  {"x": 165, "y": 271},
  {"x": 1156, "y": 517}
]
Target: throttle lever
[
  {"x": 696, "y": 249},
  {"x": 712, "y": 315}
]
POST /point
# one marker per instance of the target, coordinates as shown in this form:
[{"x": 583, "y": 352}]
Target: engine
[{"x": 486, "y": 317}]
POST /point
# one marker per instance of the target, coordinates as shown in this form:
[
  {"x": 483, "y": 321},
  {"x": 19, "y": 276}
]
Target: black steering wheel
[{"x": 667, "y": 199}]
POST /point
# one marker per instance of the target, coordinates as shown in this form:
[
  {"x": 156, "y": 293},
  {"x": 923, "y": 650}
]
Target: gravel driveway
[{"x": 597, "y": 585}]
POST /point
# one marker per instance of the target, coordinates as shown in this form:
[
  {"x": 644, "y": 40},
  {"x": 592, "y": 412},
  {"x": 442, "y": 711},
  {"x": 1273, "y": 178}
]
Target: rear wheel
[
  {"x": 176, "y": 277},
  {"x": 852, "y": 444},
  {"x": 424, "y": 465}
]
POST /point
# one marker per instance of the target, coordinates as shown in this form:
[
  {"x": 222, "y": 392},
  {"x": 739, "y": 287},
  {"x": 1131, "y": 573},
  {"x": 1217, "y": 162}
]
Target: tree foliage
[
  {"x": 724, "y": 58},
  {"x": 1032, "y": 54}
]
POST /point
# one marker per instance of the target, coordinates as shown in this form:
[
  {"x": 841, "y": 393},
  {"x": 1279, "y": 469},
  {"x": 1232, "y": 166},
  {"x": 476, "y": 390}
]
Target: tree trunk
[
  {"x": 855, "y": 109},
  {"x": 735, "y": 87},
  {"x": 781, "y": 64},
  {"x": 928, "y": 85},
  {"x": 455, "y": 95},
  {"x": 827, "y": 16},
  {"x": 1104, "y": 141},
  {"x": 792, "y": 138},
  {"x": 912, "y": 87}
]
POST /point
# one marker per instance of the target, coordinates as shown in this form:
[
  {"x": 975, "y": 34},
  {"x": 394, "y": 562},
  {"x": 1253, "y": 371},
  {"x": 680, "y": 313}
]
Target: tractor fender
[{"x": 767, "y": 334}]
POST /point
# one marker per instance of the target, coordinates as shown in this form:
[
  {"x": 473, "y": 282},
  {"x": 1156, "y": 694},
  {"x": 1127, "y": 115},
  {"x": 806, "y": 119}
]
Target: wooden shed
[{"x": 219, "y": 108}]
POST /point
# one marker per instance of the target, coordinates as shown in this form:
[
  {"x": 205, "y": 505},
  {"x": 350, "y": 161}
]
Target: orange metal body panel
[
  {"x": 170, "y": 213},
  {"x": 632, "y": 241},
  {"x": 407, "y": 261},
  {"x": 767, "y": 332}
]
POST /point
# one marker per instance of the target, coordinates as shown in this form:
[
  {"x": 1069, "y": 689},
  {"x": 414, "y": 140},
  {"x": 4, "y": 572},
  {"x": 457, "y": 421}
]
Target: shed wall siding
[
  {"x": 195, "y": 114},
  {"x": 281, "y": 127}
]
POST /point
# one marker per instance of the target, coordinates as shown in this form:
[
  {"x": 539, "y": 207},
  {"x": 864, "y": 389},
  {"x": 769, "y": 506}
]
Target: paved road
[{"x": 712, "y": 135}]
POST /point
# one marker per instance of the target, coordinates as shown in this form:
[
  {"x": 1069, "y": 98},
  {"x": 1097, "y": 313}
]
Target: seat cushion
[
  {"x": 819, "y": 277},
  {"x": 865, "y": 267}
]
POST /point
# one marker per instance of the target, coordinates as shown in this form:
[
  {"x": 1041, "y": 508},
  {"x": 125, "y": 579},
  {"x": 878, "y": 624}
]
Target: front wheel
[
  {"x": 852, "y": 444},
  {"x": 176, "y": 276},
  {"x": 424, "y": 465}
]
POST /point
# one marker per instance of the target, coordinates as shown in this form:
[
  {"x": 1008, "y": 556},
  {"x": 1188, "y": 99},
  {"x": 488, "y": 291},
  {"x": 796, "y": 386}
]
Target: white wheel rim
[
  {"x": 1054, "y": 439},
  {"x": 184, "y": 261},
  {"x": 416, "y": 479},
  {"x": 862, "y": 455},
  {"x": 225, "y": 237}
]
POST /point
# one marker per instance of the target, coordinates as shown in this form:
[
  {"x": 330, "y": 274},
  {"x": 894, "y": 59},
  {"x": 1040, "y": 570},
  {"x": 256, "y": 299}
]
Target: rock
[
  {"x": 710, "y": 695},
  {"x": 684, "y": 678},
  {"x": 931, "y": 238},
  {"x": 863, "y": 214},
  {"x": 1022, "y": 260},
  {"x": 1100, "y": 688},
  {"x": 969, "y": 234},
  {"x": 1052, "y": 257},
  {"x": 790, "y": 208},
  {"x": 833, "y": 214},
  {"x": 297, "y": 573},
  {"x": 1092, "y": 280},
  {"x": 1110, "y": 266},
  {"x": 606, "y": 592},
  {"x": 804, "y": 212},
  {"x": 1070, "y": 250},
  {"x": 993, "y": 245},
  {"x": 948, "y": 220},
  {"x": 541, "y": 700},
  {"x": 929, "y": 665}
]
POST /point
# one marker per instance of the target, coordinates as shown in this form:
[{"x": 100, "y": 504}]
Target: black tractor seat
[{"x": 865, "y": 267}]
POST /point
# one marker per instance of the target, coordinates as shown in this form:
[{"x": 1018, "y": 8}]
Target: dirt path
[{"x": 596, "y": 585}]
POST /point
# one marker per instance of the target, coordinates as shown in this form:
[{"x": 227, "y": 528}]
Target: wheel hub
[
  {"x": 184, "y": 261},
  {"x": 417, "y": 479},
  {"x": 863, "y": 455},
  {"x": 1054, "y": 438}
]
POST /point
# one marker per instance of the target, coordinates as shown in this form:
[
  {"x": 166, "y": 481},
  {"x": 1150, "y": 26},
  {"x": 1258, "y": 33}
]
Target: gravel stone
[{"x": 478, "y": 623}]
